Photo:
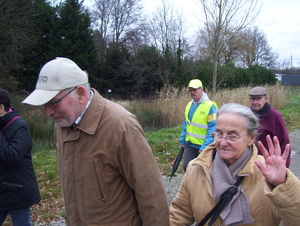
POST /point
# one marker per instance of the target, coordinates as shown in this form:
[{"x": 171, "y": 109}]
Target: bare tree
[
  {"x": 125, "y": 15},
  {"x": 229, "y": 52},
  {"x": 223, "y": 19},
  {"x": 254, "y": 49},
  {"x": 166, "y": 27},
  {"x": 166, "y": 32},
  {"x": 101, "y": 18},
  {"x": 283, "y": 66},
  {"x": 115, "y": 21}
]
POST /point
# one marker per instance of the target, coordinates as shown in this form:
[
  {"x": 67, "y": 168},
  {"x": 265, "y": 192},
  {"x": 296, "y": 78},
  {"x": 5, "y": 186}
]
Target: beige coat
[
  {"x": 268, "y": 206},
  {"x": 107, "y": 170}
]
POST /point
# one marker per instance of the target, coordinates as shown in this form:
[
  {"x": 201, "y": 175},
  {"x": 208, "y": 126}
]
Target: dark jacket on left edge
[{"x": 18, "y": 185}]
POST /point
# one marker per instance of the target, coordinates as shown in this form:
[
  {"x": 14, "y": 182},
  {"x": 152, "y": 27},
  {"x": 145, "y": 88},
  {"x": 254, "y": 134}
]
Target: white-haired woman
[{"x": 268, "y": 193}]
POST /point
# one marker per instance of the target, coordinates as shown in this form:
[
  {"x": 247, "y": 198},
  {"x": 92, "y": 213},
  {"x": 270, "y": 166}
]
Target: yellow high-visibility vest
[{"x": 197, "y": 128}]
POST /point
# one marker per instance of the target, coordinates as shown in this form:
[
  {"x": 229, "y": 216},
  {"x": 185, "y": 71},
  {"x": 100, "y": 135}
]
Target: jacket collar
[
  {"x": 8, "y": 116},
  {"x": 202, "y": 99},
  {"x": 93, "y": 114},
  {"x": 264, "y": 111}
]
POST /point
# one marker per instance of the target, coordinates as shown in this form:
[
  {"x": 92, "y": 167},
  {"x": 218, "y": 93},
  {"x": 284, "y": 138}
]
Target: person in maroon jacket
[{"x": 270, "y": 120}]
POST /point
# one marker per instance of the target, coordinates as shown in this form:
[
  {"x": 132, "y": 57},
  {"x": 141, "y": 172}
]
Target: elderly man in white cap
[
  {"x": 198, "y": 124},
  {"x": 270, "y": 120},
  {"x": 107, "y": 171}
]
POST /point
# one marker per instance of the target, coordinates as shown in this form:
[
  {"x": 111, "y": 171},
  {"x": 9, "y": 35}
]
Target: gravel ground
[
  {"x": 295, "y": 158},
  {"x": 173, "y": 185}
]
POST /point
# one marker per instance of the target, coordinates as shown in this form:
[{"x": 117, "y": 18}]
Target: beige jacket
[
  {"x": 267, "y": 205},
  {"x": 107, "y": 170}
]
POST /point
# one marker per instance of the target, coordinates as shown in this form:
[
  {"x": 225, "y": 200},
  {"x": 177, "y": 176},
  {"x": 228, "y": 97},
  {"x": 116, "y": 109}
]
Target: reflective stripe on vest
[{"x": 196, "y": 129}]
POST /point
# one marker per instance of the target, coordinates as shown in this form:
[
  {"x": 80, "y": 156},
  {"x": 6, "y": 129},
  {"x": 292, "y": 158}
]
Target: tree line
[{"x": 129, "y": 52}]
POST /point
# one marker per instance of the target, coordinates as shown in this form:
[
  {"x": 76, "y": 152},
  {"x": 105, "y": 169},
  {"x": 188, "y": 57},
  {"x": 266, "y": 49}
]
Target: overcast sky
[{"x": 279, "y": 20}]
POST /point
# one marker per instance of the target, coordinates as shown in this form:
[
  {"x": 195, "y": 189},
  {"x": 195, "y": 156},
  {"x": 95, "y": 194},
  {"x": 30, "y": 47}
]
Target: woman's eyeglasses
[{"x": 229, "y": 138}]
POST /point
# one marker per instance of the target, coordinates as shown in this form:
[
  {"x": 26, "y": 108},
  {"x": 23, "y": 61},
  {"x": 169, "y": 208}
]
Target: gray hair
[
  {"x": 85, "y": 85},
  {"x": 251, "y": 118}
]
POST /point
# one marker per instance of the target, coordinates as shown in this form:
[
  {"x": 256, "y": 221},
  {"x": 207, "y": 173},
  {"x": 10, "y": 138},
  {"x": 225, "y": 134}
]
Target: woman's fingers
[{"x": 286, "y": 152}]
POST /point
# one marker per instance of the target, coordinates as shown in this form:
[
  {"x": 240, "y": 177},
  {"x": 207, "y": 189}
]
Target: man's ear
[{"x": 81, "y": 93}]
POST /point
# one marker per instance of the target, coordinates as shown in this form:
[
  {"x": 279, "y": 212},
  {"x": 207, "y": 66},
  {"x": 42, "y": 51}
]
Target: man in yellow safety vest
[{"x": 199, "y": 122}]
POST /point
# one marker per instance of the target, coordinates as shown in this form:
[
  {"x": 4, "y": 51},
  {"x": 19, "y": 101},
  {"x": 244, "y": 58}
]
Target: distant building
[{"x": 290, "y": 80}]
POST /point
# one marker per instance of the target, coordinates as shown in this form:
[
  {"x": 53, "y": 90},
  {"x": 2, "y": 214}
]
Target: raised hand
[{"x": 275, "y": 169}]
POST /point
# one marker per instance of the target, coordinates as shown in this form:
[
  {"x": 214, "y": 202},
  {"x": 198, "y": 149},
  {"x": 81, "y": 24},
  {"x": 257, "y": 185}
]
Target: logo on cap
[{"x": 42, "y": 79}]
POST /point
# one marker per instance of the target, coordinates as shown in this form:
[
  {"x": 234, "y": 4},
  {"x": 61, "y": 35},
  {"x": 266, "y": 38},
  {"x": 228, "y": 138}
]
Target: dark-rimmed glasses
[
  {"x": 229, "y": 138},
  {"x": 258, "y": 99},
  {"x": 193, "y": 90},
  {"x": 54, "y": 104}
]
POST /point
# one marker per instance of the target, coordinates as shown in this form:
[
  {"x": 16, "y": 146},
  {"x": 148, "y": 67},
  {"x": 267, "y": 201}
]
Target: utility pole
[{"x": 291, "y": 61}]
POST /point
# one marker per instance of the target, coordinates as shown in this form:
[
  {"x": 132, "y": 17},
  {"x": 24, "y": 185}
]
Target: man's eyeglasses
[
  {"x": 258, "y": 99},
  {"x": 193, "y": 90},
  {"x": 54, "y": 104},
  {"x": 229, "y": 138}
]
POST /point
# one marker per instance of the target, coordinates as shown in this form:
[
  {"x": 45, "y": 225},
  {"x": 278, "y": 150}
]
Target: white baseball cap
[{"x": 56, "y": 75}]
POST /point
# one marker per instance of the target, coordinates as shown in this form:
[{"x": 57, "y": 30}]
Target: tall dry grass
[
  {"x": 277, "y": 96},
  {"x": 166, "y": 109}
]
